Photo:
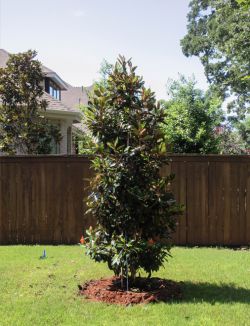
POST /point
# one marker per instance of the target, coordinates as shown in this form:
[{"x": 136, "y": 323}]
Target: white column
[{"x": 64, "y": 127}]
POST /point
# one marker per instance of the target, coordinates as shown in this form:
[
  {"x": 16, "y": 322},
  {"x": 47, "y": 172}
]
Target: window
[{"x": 52, "y": 89}]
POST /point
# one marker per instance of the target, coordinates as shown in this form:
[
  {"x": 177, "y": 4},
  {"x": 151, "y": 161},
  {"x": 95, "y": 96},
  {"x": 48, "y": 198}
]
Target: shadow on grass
[{"x": 212, "y": 293}]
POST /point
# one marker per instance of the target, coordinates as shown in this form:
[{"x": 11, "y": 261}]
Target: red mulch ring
[{"x": 142, "y": 291}]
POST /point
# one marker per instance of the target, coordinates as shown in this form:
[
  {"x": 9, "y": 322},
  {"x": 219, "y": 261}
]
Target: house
[{"x": 63, "y": 101}]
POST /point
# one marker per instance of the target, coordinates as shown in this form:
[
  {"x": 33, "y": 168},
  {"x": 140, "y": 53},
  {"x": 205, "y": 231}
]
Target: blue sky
[{"x": 73, "y": 36}]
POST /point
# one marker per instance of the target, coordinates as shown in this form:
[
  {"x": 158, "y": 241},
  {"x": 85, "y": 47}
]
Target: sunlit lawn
[{"x": 216, "y": 285}]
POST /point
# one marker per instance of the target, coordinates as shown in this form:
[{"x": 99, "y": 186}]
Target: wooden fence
[{"x": 42, "y": 199}]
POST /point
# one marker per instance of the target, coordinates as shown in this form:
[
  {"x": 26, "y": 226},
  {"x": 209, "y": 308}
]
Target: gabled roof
[
  {"x": 59, "y": 108},
  {"x": 53, "y": 75},
  {"x": 54, "y": 104}
]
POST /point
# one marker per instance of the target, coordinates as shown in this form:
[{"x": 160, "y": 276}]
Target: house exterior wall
[
  {"x": 64, "y": 125},
  {"x": 66, "y": 142}
]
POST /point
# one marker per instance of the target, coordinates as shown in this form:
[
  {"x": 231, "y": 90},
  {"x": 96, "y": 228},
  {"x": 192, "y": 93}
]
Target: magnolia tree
[{"x": 134, "y": 209}]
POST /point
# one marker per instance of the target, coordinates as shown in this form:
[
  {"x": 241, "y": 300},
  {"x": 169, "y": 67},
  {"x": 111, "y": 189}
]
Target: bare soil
[{"x": 143, "y": 290}]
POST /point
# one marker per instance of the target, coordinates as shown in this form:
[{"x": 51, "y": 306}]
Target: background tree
[
  {"x": 104, "y": 71},
  {"x": 244, "y": 131},
  {"x": 134, "y": 209},
  {"x": 231, "y": 141},
  {"x": 240, "y": 133},
  {"x": 218, "y": 33},
  {"x": 23, "y": 126},
  {"x": 191, "y": 118}
]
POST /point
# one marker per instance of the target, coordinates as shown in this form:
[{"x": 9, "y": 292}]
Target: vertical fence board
[
  {"x": 191, "y": 199},
  {"x": 234, "y": 204},
  {"x": 212, "y": 199},
  {"x": 57, "y": 220},
  {"x": 173, "y": 168},
  {"x": 198, "y": 212},
  {"x": 247, "y": 205},
  {"x": 36, "y": 199},
  {"x": 203, "y": 221},
  {"x": 220, "y": 202},
  {"x": 242, "y": 202},
  {"x": 4, "y": 199},
  {"x": 226, "y": 193},
  {"x": 1, "y": 204},
  {"x": 19, "y": 203},
  {"x": 79, "y": 200},
  {"x": 182, "y": 200}
]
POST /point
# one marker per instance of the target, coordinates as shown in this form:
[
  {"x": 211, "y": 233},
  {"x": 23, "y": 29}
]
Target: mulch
[{"x": 143, "y": 290}]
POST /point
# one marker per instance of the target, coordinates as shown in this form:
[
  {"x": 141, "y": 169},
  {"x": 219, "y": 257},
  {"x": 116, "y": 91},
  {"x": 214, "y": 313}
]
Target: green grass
[{"x": 44, "y": 292}]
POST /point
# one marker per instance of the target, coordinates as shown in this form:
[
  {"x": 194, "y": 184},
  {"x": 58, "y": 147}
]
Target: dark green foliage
[
  {"x": 131, "y": 202},
  {"x": 191, "y": 118},
  {"x": 23, "y": 126},
  {"x": 218, "y": 33}
]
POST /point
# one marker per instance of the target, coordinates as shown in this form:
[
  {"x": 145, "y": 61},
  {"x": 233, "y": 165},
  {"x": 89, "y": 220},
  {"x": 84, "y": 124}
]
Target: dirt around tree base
[{"x": 142, "y": 291}]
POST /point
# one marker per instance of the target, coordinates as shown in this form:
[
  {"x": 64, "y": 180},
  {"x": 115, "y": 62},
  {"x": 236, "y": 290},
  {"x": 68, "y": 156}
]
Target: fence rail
[{"x": 42, "y": 199}]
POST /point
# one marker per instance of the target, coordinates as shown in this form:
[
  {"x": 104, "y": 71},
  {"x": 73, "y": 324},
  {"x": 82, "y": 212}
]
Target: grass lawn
[{"x": 44, "y": 292}]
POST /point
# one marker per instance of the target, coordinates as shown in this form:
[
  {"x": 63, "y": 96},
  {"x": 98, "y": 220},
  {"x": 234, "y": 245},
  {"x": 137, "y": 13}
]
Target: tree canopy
[
  {"x": 218, "y": 32},
  {"x": 243, "y": 128},
  {"x": 23, "y": 126},
  {"x": 191, "y": 118},
  {"x": 231, "y": 141}
]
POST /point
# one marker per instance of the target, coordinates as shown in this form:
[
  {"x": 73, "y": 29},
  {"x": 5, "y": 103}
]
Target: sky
[{"x": 72, "y": 37}]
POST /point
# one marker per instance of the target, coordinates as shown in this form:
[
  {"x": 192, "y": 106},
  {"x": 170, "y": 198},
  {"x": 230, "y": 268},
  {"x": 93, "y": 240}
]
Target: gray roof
[
  {"x": 56, "y": 105},
  {"x": 75, "y": 96},
  {"x": 53, "y": 75},
  {"x": 46, "y": 70}
]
